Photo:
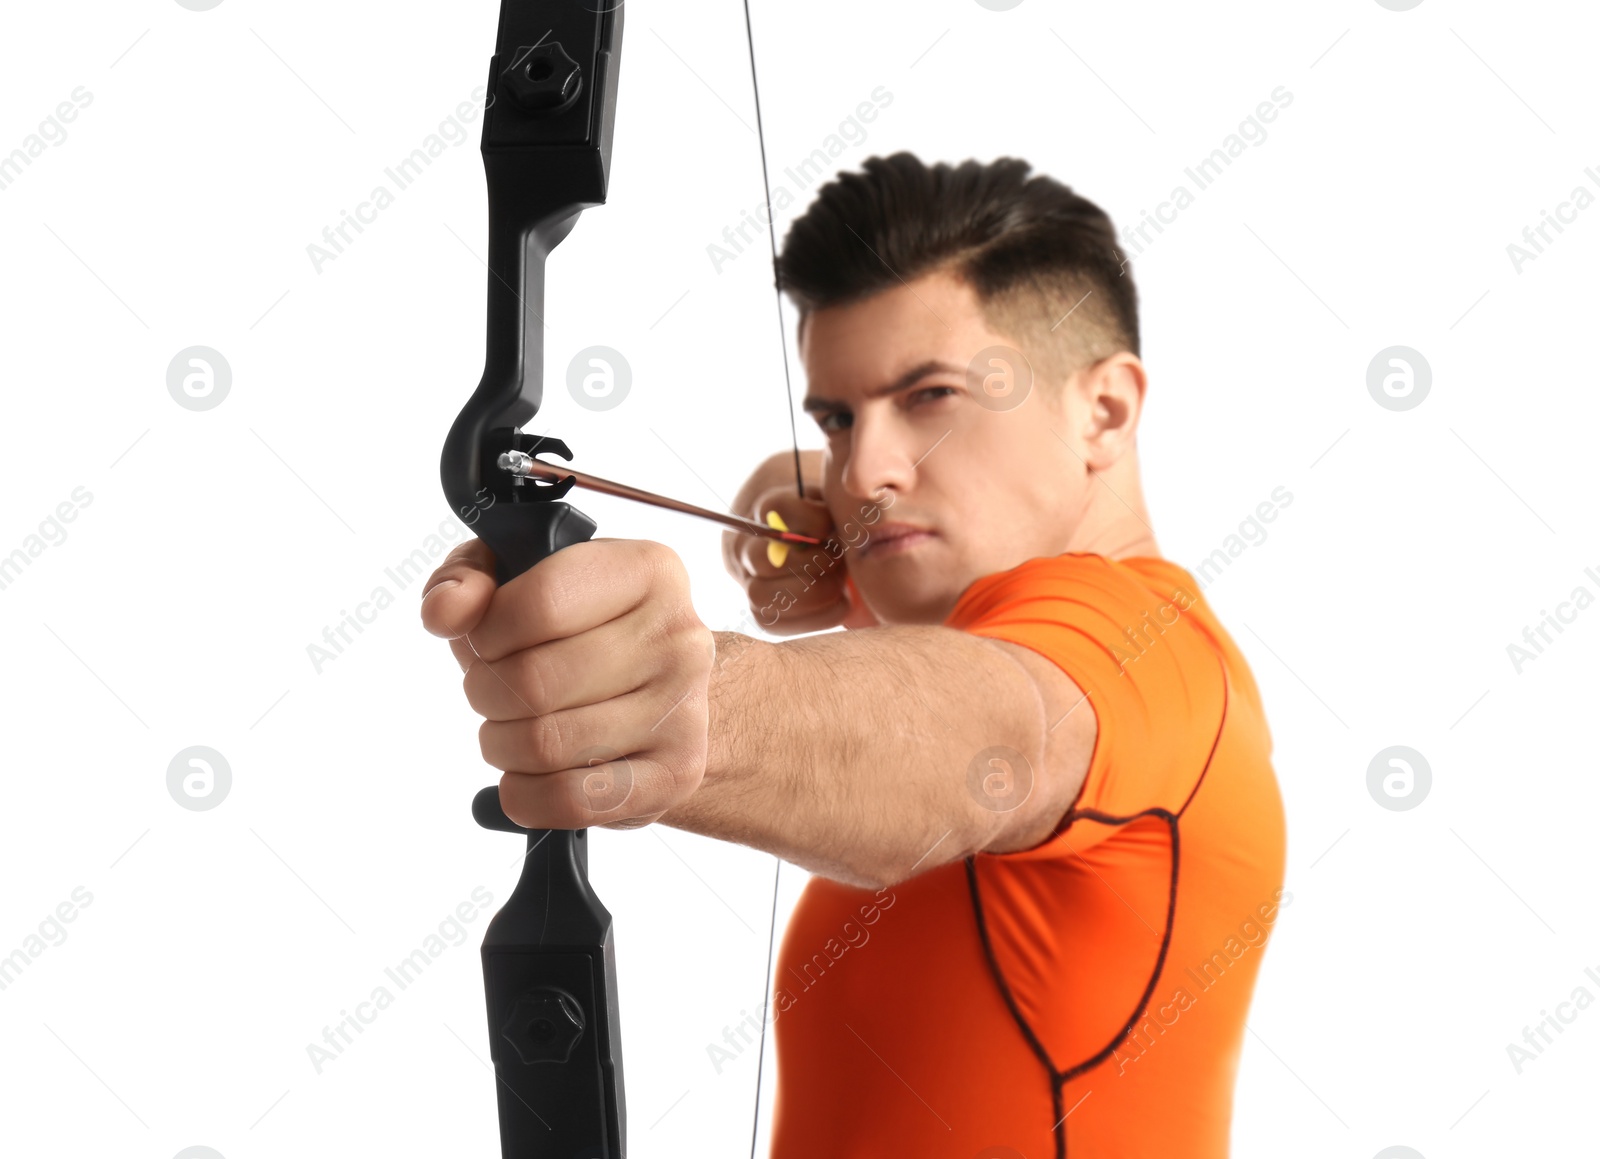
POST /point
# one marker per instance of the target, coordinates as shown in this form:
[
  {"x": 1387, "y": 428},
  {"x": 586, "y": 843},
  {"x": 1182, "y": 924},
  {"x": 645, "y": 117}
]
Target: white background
[{"x": 218, "y": 545}]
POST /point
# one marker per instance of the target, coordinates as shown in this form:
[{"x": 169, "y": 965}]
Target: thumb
[{"x": 457, "y": 594}]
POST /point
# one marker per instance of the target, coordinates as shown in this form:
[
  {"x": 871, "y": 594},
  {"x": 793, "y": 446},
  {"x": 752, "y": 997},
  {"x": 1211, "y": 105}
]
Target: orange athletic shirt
[{"x": 1086, "y": 997}]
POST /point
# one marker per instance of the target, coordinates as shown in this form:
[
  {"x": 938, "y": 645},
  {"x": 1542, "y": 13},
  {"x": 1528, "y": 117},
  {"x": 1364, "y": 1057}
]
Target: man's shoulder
[{"x": 1086, "y": 580}]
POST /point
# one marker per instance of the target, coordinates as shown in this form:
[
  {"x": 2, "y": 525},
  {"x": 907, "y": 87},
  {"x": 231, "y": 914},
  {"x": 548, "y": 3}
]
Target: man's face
[{"x": 966, "y": 489}]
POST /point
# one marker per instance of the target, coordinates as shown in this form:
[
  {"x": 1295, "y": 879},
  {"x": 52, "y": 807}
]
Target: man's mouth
[{"x": 893, "y": 539}]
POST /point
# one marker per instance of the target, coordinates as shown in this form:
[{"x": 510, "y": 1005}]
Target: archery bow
[{"x": 549, "y": 967}]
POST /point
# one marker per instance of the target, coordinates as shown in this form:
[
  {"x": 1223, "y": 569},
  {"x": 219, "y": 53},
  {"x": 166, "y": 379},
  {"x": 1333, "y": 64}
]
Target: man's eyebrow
[{"x": 814, "y": 402}]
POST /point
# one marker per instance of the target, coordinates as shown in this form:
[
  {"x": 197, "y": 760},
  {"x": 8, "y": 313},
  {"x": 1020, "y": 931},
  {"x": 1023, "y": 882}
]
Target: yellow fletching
[{"x": 776, "y": 552}]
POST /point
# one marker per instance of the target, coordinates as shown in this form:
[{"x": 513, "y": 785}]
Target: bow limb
[{"x": 549, "y": 969}]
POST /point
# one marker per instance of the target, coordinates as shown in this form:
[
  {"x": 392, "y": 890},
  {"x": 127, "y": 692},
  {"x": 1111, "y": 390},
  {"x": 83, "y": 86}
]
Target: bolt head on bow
[{"x": 544, "y": 80}]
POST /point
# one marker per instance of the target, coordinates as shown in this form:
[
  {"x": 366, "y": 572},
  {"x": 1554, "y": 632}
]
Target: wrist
[
  {"x": 732, "y": 694},
  {"x": 733, "y": 729}
]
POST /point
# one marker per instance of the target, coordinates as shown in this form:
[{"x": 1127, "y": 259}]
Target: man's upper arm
[
  {"x": 1154, "y": 692},
  {"x": 1068, "y": 728}
]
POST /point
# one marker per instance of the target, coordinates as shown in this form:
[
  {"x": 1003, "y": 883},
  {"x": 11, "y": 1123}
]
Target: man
[{"x": 1034, "y": 772}]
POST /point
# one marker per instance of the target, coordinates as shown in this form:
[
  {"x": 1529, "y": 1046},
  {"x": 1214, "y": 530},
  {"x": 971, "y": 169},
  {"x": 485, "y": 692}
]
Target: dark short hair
[{"x": 1030, "y": 248}]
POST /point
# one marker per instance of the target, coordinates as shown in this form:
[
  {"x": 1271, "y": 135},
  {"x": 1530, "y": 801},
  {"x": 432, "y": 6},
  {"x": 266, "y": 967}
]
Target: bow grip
[{"x": 549, "y": 966}]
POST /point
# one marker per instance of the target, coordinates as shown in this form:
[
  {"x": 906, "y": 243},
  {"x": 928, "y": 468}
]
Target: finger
[
  {"x": 753, "y": 500},
  {"x": 599, "y": 665},
  {"x": 806, "y": 516},
  {"x": 817, "y": 611},
  {"x": 578, "y": 588},
  {"x": 571, "y": 737},
  {"x": 458, "y": 592},
  {"x": 794, "y": 622},
  {"x": 622, "y": 794},
  {"x": 777, "y": 471},
  {"x": 786, "y": 605},
  {"x": 803, "y": 568},
  {"x": 575, "y": 767}
]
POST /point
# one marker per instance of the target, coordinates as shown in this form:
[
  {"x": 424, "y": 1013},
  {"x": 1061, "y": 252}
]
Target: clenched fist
[
  {"x": 798, "y": 589},
  {"x": 591, "y": 672}
]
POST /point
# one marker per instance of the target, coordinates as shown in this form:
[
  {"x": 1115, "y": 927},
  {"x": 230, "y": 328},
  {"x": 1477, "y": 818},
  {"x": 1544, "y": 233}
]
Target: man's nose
[{"x": 880, "y": 458}]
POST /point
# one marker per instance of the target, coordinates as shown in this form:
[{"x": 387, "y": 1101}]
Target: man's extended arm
[{"x": 848, "y": 754}]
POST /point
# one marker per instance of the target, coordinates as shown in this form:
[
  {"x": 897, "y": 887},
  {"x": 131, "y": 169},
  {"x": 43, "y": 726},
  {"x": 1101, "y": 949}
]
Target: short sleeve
[{"x": 1131, "y": 639}]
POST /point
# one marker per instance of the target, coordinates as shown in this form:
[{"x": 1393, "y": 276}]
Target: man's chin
[{"x": 909, "y": 596}]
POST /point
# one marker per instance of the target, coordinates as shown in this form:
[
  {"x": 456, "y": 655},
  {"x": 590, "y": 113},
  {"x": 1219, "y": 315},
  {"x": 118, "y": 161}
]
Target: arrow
[{"x": 525, "y": 466}]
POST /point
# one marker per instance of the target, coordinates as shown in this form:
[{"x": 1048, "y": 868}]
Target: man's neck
[{"x": 1115, "y": 523}]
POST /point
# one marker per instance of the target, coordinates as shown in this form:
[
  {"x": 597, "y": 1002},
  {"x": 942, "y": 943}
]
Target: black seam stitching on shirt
[
  {"x": 1004, "y": 987},
  {"x": 1073, "y": 812},
  {"x": 1155, "y": 973},
  {"x": 994, "y": 968},
  {"x": 1059, "y": 1079}
]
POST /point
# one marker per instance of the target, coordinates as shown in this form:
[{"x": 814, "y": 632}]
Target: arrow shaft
[{"x": 525, "y": 466}]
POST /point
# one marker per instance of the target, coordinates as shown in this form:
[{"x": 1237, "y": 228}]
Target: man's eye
[
  {"x": 834, "y": 421},
  {"x": 931, "y": 394}
]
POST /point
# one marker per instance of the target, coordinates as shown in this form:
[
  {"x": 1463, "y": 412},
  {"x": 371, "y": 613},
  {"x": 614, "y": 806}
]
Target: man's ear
[{"x": 1110, "y": 394}]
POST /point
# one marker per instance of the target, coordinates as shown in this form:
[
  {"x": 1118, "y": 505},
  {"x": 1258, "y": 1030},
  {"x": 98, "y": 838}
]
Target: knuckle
[
  {"x": 533, "y": 681},
  {"x": 492, "y": 744},
  {"x": 544, "y": 740},
  {"x": 684, "y": 768},
  {"x": 470, "y": 686},
  {"x": 689, "y": 645},
  {"x": 665, "y": 565},
  {"x": 700, "y": 649},
  {"x": 541, "y": 597}
]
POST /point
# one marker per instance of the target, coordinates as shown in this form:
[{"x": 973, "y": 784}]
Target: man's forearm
[{"x": 848, "y": 753}]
